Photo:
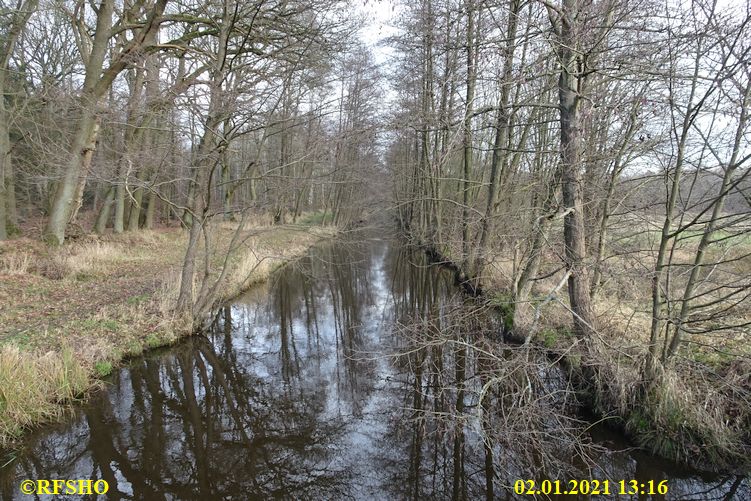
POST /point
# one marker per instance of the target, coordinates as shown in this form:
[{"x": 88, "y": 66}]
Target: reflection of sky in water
[{"x": 298, "y": 399}]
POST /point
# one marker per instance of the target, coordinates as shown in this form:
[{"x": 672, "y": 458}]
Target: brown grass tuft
[
  {"x": 32, "y": 385},
  {"x": 15, "y": 264}
]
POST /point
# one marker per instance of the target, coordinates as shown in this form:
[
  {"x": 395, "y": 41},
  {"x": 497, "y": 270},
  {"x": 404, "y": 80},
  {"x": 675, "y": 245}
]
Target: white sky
[{"x": 379, "y": 15}]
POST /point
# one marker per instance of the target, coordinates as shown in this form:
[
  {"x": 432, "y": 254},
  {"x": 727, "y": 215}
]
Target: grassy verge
[{"x": 70, "y": 315}]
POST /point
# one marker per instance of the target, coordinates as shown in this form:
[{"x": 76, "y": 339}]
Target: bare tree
[
  {"x": 13, "y": 22},
  {"x": 98, "y": 79}
]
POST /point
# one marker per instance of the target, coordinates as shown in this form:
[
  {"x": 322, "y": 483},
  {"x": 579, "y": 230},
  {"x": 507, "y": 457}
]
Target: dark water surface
[{"x": 295, "y": 394}]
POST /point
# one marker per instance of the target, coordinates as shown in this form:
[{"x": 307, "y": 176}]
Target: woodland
[{"x": 582, "y": 164}]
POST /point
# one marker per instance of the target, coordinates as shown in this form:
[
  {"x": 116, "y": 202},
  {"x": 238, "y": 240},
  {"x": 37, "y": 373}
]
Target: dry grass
[
  {"x": 251, "y": 269},
  {"x": 89, "y": 258},
  {"x": 104, "y": 299},
  {"x": 32, "y": 386},
  {"x": 15, "y": 264},
  {"x": 700, "y": 408},
  {"x": 166, "y": 295},
  {"x": 683, "y": 416},
  {"x": 260, "y": 255},
  {"x": 499, "y": 273}
]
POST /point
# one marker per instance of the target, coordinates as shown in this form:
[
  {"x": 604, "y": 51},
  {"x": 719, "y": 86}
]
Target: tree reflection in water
[{"x": 309, "y": 389}]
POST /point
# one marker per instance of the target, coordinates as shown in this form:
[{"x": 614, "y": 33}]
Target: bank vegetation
[
  {"x": 158, "y": 157},
  {"x": 586, "y": 165}
]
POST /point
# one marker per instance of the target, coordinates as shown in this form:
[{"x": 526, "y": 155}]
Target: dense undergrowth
[{"x": 697, "y": 411}]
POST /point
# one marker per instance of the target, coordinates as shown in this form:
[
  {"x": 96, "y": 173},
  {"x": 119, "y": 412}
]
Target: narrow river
[{"x": 297, "y": 392}]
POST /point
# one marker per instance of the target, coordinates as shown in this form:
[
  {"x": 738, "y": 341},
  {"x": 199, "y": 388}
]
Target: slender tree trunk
[
  {"x": 226, "y": 191},
  {"x": 660, "y": 269},
  {"x": 12, "y": 29},
  {"x": 545, "y": 206},
  {"x": 203, "y": 159},
  {"x": 143, "y": 138},
  {"x": 502, "y": 134},
  {"x": 470, "y": 97},
  {"x": 5, "y": 160},
  {"x": 104, "y": 213},
  {"x": 85, "y": 166},
  {"x": 226, "y": 183},
  {"x": 569, "y": 87},
  {"x": 118, "y": 225},
  {"x": 151, "y": 210},
  {"x": 709, "y": 229},
  {"x": 10, "y": 195}
]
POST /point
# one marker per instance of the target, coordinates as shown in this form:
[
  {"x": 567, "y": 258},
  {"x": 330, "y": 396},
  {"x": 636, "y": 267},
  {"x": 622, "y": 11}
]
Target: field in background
[{"x": 623, "y": 302}]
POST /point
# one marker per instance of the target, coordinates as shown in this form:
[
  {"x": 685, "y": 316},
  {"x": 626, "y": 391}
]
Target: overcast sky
[{"x": 379, "y": 15}]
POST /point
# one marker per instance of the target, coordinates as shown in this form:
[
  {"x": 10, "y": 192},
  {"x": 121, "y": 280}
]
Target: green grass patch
[
  {"x": 153, "y": 340},
  {"x": 138, "y": 299},
  {"x": 314, "y": 218},
  {"x": 21, "y": 340},
  {"x": 133, "y": 349},
  {"x": 111, "y": 325},
  {"x": 549, "y": 337},
  {"x": 505, "y": 304},
  {"x": 707, "y": 356},
  {"x": 102, "y": 368},
  {"x": 93, "y": 325}
]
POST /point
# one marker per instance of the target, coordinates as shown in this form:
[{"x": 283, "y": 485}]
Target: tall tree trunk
[
  {"x": 96, "y": 83},
  {"x": 135, "y": 209},
  {"x": 470, "y": 97},
  {"x": 710, "y": 228},
  {"x": 502, "y": 134},
  {"x": 523, "y": 324},
  {"x": 145, "y": 138},
  {"x": 661, "y": 266},
  {"x": 226, "y": 182},
  {"x": 10, "y": 195},
  {"x": 203, "y": 160},
  {"x": 118, "y": 225},
  {"x": 569, "y": 87},
  {"x": 62, "y": 203},
  {"x": 151, "y": 209},
  {"x": 85, "y": 167},
  {"x": 4, "y": 160},
  {"x": 85, "y": 136},
  {"x": 12, "y": 31}
]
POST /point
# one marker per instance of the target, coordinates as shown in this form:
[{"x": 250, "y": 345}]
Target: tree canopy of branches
[{"x": 588, "y": 143}]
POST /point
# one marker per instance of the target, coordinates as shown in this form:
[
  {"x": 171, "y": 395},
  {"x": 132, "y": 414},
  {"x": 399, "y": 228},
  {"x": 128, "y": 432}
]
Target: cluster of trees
[
  {"x": 524, "y": 118},
  {"x": 513, "y": 120},
  {"x": 148, "y": 110}
]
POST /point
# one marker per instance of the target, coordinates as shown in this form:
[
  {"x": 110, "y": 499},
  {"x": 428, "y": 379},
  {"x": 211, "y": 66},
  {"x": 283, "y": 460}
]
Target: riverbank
[
  {"x": 349, "y": 358},
  {"x": 70, "y": 315},
  {"x": 696, "y": 413}
]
